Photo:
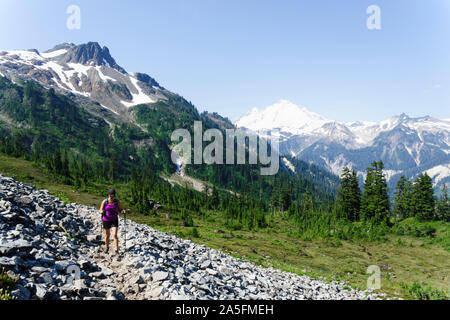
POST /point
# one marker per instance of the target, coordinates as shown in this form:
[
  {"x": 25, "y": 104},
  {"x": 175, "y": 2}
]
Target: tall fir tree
[
  {"x": 285, "y": 199},
  {"x": 375, "y": 204},
  {"x": 349, "y": 194},
  {"x": 443, "y": 205},
  {"x": 214, "y": 198},
  {"x": 403, "y": 199},
  {"x": 424, "y": 198}
]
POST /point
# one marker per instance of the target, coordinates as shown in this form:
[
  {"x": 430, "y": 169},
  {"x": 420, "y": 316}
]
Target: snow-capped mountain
[
  {"x": 85, "y": 70},
  {"x": 285, "y": 116},
  {"x": 407, "y": 146}
]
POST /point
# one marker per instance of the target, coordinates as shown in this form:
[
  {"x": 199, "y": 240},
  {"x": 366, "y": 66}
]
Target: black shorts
[{"x": 110, "y": 224}]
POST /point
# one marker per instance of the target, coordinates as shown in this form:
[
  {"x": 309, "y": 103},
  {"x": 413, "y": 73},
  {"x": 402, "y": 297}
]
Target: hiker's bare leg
[
  {"x": 107, "y": 234},
  {"x": 116, "y": 239}
]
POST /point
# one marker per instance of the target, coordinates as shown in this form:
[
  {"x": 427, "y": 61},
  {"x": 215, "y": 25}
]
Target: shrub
[
  {"x": 424, "y": 292},
  {"x": 187, "y": 219},
  {"x": 6, "y": 285},
  {"x": 194, "y": 233},
  {"x": 412, "y": 227},
  {"x": 233, "y": 225}
]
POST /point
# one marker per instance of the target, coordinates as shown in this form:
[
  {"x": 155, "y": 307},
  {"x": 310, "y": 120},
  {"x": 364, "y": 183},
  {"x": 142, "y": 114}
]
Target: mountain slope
[
  {"x": 87, "y": 70},
  {"x": 137, "y": 115},
  {"x": 406, "y": 145}
]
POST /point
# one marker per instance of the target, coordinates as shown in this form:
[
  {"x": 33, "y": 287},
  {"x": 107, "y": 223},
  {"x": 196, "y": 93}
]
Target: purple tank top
[{"x": 111, "y": 211}]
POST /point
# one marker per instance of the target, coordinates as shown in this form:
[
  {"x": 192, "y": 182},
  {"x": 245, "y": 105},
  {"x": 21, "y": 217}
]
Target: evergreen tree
[
  {"x": 274, "y": 200},
  {"x": 375, "y": 204},
  {"x": 206, "y": 192},
  {"x": 215, "y": 198},
  {"x": 403, "y": 199},
  {"x": 113, "y": 166},
  {"x": 424, "y": 198},
  {"x": 285, "y": 199},
  {"x": 57, "y": 162},
  {"x": 65, "y": 164},
  {"x": 443, "y": 206},
  {"x": 349, "y": 195}
]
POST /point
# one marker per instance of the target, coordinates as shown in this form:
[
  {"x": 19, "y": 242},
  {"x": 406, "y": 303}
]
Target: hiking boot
[{"x": 106, "y": 250}]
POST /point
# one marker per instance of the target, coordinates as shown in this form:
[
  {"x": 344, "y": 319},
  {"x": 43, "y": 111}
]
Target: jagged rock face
[
  {"x": 90, "y": 54},
  {"x": 145, "y": 78},
  {"x": 54, "y": 252},
  {"x": 86, "y": 70}
]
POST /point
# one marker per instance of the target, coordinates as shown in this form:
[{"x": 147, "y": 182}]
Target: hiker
[{"x": 110, "y": 209}]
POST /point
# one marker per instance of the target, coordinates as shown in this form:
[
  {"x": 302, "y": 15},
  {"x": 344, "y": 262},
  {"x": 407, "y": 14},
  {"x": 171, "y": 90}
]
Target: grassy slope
[{"x": 412, "y": 259}]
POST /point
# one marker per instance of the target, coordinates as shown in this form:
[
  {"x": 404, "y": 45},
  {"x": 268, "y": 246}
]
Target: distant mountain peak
[
  {"x": 406, "y": 145},
  {"x": 283, "y": 115},
  {"x": 65, "y": 45},
  {"x": 88, "y": 54},
  {"x": 87, "y": 70}
]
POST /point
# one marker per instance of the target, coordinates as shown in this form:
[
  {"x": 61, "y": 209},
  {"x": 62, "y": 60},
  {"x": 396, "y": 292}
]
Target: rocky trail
[{"x": 54, "y": 250}]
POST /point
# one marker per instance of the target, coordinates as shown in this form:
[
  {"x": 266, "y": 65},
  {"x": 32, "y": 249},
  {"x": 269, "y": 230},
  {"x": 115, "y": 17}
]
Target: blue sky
[{"x": 230, "y": 56}]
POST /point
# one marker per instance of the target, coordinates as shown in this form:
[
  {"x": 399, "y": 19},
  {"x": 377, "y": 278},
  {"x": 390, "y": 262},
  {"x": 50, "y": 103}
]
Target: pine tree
[
  {"x": 349, "y": 194},
  {"x": 443, "y": 206},
  {"x": 274, "y": 200},
  {"x": 403, "y": 199},
  {"x": 375, "y": 204},
  {"x": 65, "y": 164},
  {"x": 113, "y": 166},
  {"x": 285, "y": 199},
  {"x": 424, "y": 198},
  {"x": 57, "y": 162},
  {"x": 215, "y": 198},
  {"x": 206, "y": 192}
]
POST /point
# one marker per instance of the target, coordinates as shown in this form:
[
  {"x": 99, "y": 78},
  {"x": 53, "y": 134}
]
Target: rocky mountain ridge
[
  {"x": 408, "y": 146},
  {"x": 86, "y": 70}
]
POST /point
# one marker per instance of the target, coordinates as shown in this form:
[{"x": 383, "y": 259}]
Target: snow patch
[
  {"x": 289, "y": 164},
  {"x": 110, "y": 109},
  {"x": 62, "y": 75},
  {"x": 337, "y": 164},
  {"x": 139, "y": 98},
  {"x": 388, "y": 174},
  {"x": 79, "y": 68},
  {"x": 439, "y": 173},
  {"x": 25, "y": 56},
  {"x": 102, "y": 76},
  {"x": 53, "y": 54}
]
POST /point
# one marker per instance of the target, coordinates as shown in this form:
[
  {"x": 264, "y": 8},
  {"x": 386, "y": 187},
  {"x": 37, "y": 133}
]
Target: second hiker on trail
[{"x": 110, "y": 209}]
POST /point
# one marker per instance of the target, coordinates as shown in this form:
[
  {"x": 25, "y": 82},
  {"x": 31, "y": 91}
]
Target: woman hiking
[{"x": 110, "y": 209}]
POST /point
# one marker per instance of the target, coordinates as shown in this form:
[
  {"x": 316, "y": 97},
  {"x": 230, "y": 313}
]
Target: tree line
[{"x": 412, "y": 198}]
